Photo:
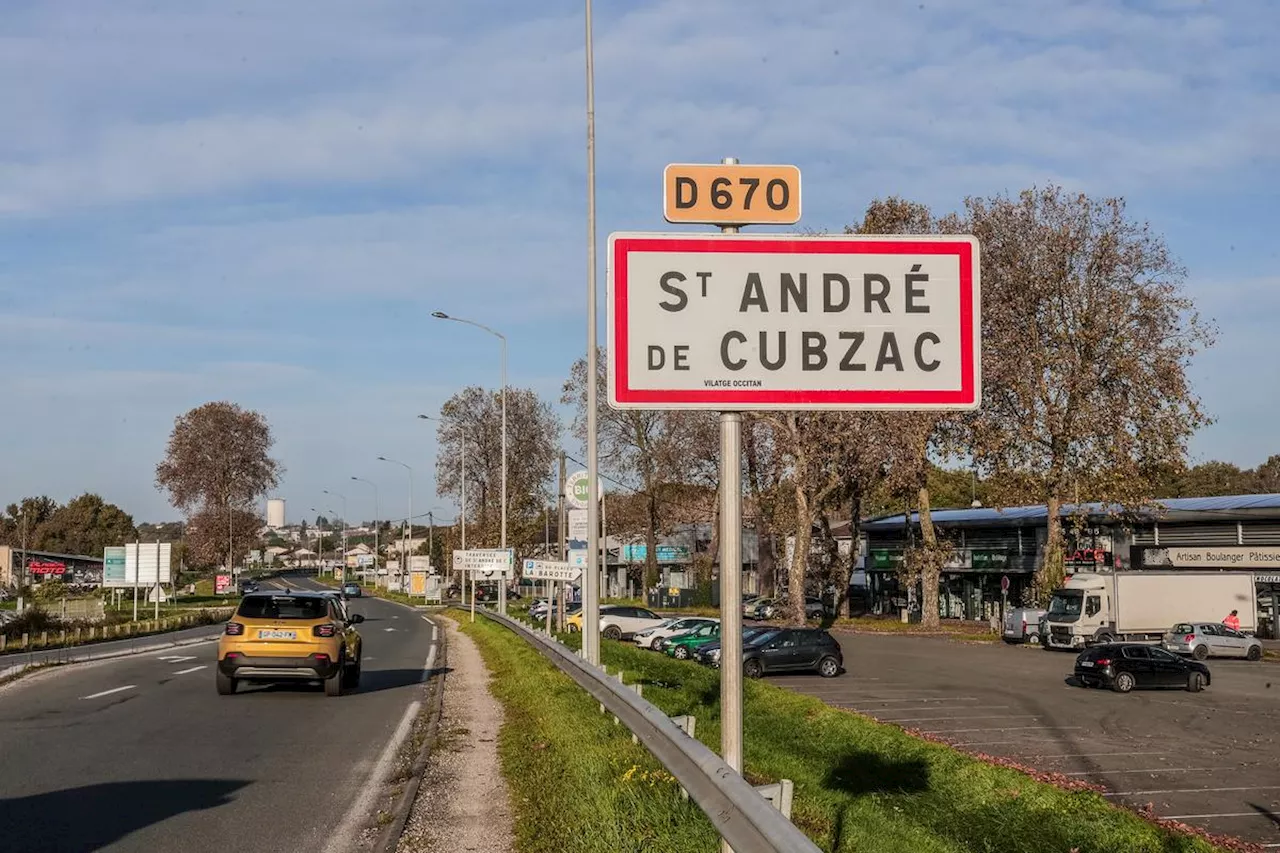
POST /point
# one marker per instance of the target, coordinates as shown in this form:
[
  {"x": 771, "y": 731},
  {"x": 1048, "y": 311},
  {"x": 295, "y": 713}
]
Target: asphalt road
[
  {"x": 140, "y": 753},
  {"x": 1209, "y": 759}
]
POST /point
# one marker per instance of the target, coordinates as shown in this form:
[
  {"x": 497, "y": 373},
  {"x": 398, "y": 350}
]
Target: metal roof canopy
[
  {"x": 1223, "y": 508},
  {"x": 83, "y": 558}
]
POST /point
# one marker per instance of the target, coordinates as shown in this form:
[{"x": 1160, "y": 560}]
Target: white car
[
  {"x": 617, "y": 622},
  {"x": 646, "y": 638}
]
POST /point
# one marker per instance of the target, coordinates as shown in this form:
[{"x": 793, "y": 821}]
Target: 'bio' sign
[
  {"x": 735, "y": 322},
  {"x": 575, "y": 489}
]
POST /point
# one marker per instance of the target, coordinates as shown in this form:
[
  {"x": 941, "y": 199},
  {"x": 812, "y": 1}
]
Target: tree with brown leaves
[
  {"x": 219, "y": 459},
  {"x": 1087, "y": 339}
]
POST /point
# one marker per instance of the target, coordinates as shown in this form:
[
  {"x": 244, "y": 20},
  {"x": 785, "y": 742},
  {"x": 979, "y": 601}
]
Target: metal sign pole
[
  {"x": 157, "y": 613},
  {"x": 730, "y": 582},
  {"x": 591, "y": 582}
]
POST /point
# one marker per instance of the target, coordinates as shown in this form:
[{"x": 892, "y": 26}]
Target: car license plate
[
  {"x": 1086, "y": 663},
  {"x": 270, "y": 634}
]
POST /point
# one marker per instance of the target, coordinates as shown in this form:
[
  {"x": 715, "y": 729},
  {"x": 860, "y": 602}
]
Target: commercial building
[
  {"x": 1004, "y": 547},
  {"x": 46, "y": 565}
]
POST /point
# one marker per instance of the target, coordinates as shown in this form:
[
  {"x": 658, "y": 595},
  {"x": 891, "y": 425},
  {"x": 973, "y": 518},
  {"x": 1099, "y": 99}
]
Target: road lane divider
[
  {"x": 102, "y": 693},
  {"x": 192, "y": 669}
]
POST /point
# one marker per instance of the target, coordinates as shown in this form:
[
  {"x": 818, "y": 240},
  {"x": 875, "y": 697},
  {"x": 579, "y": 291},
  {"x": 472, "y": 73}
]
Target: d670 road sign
[
  {"x": 742, "y": 322},
  {"x": 737, "y": 194}
]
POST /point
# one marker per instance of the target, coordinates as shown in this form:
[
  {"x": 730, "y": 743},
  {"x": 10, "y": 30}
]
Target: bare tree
[
  {"x": 643, "y": 447},
  {"x": 1087, "y": 338},
  {"x": 473, "y": 417}
]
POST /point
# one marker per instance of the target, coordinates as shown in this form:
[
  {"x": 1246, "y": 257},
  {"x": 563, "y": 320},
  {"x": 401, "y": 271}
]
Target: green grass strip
[{"x": 577, "y": 782}]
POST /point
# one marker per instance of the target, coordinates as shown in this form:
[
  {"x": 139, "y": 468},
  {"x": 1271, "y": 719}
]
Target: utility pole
[
  {"x": 591, "y": 577},
  {"x": 563, "y": 541}
]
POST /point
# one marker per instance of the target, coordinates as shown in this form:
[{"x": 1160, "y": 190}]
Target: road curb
[
  {"x": 12, "y": 673},
  {"x": 391, "y": 836}
]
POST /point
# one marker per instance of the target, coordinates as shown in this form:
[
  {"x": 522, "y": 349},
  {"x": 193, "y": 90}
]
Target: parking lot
[{"x": 1209, "y": 759}]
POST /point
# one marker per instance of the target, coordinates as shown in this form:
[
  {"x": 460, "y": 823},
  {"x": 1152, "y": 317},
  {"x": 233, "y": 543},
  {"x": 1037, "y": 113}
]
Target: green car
[{"x": 681, "y": 646}]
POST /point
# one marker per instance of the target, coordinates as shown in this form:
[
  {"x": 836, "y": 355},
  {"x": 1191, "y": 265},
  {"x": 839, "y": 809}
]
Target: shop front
[{"x": 973, "y": 584}]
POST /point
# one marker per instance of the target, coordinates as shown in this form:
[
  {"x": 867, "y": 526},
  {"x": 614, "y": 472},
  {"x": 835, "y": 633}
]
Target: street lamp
[
  {"x": 376, "y": 513},
  {"x": 344, "y": 527},
  {"x": 320, "y": 541},
  {"x": 440, "y": 315},
  {"x": 462, "y": 509},
  {"x": 405, "y": 550}
]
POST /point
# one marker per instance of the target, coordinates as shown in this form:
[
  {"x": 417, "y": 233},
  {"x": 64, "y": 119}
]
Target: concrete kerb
[{"x": 390, "y": 839}]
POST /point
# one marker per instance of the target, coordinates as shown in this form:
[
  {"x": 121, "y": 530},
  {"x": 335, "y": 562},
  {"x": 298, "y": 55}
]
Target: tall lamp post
[
  {"x": 376, "y": 514},
  {"x": 462, "y": 507},
  {"x": 344, "y": 528},
  {"x": 405, "y": 550},
  {"x": 440, "y": 315}
]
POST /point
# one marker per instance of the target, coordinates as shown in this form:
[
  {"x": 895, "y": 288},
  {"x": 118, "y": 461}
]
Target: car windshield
[
  {"x": 761, "y": 638},
  {"x": 283, "y": 607},
  {"x": 1066, "y": 602}
]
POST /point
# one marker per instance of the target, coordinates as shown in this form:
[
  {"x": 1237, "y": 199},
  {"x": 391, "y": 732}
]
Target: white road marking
[
  {"x": 176, "y": 658},
  {"x": 1022, "y": 742},
  {"x": 970, "y": 717},
  {"x": 998, "y": 729},
  {"x": 109, "y": 692},
  {"x": 1154, "y": 770},
  {"x": 388, "y": 629},
  {"x": 1191, "y": 790},
  {"x": 1094, "y": 754},
  {"x": 192, "y": 669},
  {"x": 343, "y": 837},
  {"x": 963, "y": 698}
]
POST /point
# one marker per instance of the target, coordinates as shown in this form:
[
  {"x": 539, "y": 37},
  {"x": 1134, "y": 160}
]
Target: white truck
[{"x": 1141, "y": 606}]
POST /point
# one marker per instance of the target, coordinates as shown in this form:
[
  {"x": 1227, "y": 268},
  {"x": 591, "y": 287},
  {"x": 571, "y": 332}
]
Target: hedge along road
[{"x": 140, "y": 753}]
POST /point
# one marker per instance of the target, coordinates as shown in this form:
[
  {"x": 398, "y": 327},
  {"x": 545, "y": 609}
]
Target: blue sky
[{"x": 265, "y": 202}]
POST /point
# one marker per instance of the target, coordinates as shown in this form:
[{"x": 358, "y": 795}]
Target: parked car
[
  {"x": 771, "y": 607},
  {"x": 647, "y": 638},
  {"x": 1023, "y": 625},
  {"x": 1124, "y": 666},
  {"x": 793, "y": 650},
  {"x": 709, "y": 653},
  {"x": 621, "y": 623},
  {"x": 682, "y": 646},
  {"x": 1211, "y": 639}
]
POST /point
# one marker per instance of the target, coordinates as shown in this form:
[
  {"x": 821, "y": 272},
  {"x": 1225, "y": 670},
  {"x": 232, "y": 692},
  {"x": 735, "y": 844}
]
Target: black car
[
  {"x": 1124, "y": 666},
  {"x": 247, "y": 586},
  {"x": 709, "y": 653},
  {"x": 792, "y": 650}
]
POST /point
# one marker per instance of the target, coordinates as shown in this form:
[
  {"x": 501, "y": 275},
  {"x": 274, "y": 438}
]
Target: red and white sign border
[{"x": 622, "y": 396}]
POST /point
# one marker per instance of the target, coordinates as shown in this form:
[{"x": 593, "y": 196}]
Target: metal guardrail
[{"x": 744, "y": 818}]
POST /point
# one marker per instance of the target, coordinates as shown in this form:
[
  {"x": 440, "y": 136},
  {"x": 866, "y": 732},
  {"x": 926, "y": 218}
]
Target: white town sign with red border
[{"x": 739, "y": 322}]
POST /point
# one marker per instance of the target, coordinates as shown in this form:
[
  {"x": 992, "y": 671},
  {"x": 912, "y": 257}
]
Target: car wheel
[
  {"x": 1195, "y": 682},
  {"x": 333, "y": 684},
  {"x": 680, "y": 653},
  {"x": 612, "y": 632},
  {"x": 226, "y": 684},
  {"x": 1200, "y": 652},
  {"x": 828, "y": 667},
  {"x": 1255, "y": 653},
  {"x": 1033, "y": 639},
  {"x": 1104, "y": 639},
  {"x": 1124, "y": 682},
  {"x": 752, "y": 668}
]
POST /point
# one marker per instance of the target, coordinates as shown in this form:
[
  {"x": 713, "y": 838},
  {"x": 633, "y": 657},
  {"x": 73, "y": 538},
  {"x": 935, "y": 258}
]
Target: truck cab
[{"x": 1079, "y": 612}]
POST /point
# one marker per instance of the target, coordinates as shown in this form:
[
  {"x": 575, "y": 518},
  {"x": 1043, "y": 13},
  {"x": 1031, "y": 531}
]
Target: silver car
[{"x": 1202, "y": 639}]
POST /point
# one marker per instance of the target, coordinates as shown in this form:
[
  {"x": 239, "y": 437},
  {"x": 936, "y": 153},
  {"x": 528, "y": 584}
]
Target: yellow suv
[{"x": 290, "y": 636}]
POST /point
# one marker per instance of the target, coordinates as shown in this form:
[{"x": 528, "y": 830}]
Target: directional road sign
[
  {"x": 550, "y": 570},
  {"x": 748, "y": 322}
]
